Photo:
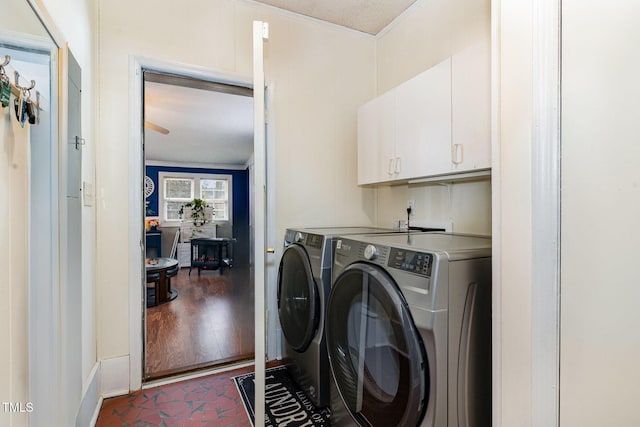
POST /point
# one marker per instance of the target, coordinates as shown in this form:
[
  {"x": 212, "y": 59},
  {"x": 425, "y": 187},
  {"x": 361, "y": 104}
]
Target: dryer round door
[
  {"x": 376, "y": 354},
  {"x": 298, "y": 301}
]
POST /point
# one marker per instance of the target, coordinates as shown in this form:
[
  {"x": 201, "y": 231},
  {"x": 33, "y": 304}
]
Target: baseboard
[
  {"x": 114, "y": 376},
  {"x": 94, "y": 419},
  {"x": 91, "y": 399}
]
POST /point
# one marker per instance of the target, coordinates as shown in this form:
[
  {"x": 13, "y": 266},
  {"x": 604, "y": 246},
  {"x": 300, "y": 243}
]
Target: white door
[
  {"x": 29, "y": 201},
  {"x": 260, "y": 35}
]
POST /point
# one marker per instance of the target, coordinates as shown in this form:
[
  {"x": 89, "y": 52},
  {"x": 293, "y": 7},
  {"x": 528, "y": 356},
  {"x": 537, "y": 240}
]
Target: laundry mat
[{"x": 285, "y": 404}]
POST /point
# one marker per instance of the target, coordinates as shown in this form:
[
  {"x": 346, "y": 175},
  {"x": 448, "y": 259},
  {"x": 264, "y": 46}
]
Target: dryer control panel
[
  {"x": 314, "y": 240},
  {"x": 411, "y": 261}
]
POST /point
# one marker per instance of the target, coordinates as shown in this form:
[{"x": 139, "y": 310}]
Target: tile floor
[{"x": 206, "y": 401}]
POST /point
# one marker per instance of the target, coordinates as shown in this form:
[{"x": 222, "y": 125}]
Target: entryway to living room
[{"x": 198, "y": 153}]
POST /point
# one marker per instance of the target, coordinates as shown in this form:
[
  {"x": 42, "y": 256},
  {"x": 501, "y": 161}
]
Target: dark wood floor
[{"x": 210, "y": 322}]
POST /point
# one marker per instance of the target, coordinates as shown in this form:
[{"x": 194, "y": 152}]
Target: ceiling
[
  {"x": 368, "y": 16},
  {"x": 207, "y": 126}
]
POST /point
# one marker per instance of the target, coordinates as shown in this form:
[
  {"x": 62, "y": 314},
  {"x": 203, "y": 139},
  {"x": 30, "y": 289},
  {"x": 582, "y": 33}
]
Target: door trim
[
  {"x": 544, "y": 204},
  {"x": 545, "y": 210},
  {"x": 136, "y": 204}
]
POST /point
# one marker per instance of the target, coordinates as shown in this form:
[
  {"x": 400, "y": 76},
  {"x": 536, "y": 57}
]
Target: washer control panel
[{"x": 411, "y": 261}]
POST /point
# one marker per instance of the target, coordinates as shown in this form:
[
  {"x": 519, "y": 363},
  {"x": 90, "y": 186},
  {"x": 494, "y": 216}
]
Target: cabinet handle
[
  {"x": 457, "y": 154},
  {"x": 398, "y": 165},
  {"x": 389, "y": 170}
]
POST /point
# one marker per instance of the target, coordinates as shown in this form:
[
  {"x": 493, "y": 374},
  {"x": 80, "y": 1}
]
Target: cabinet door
[
  {"x": 423, "y": 123},
  {"x": 471, "y": 94},
  {"x": 376, "y": 139}
]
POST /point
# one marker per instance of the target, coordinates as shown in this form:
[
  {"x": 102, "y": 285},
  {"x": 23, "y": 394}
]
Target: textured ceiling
[{"x": 368, "y": 16}]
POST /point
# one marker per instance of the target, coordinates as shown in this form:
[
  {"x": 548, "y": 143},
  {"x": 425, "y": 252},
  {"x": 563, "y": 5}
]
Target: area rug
[{"x": 286, "y": 404}]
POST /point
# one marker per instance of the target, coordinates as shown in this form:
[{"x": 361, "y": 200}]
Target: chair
[
  {"x": 153, "y": 278},
  {"x": 174, "y": 247},
  {"x": 171, "y": 273}
]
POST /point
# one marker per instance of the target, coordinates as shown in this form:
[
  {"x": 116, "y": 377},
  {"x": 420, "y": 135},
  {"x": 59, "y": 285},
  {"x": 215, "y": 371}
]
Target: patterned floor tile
[{"x": 205, "y": 401}]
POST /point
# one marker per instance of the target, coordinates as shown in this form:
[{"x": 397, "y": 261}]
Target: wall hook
[{"x": 17, "y": 82}]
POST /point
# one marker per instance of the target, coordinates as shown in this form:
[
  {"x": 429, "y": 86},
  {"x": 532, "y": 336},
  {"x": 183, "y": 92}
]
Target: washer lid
[
  {"x": 298, "y": 301},
  {"x": 376, "y": 354}
]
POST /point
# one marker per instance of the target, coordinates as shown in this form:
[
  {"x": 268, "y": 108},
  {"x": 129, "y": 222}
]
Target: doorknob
[{"x": 271, "y": 250}]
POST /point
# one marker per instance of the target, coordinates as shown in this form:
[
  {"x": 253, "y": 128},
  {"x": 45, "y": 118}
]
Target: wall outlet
[{"x": 412, "y": 204}]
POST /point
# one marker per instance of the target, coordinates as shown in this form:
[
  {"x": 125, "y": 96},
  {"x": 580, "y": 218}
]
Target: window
[
  {"x": 177, "y": 192},
  {"x": 216, "y": 193},
  {"x": 181, "y": 188}
]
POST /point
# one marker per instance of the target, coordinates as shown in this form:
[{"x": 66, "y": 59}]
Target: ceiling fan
[{"x": 155, "y": 127}]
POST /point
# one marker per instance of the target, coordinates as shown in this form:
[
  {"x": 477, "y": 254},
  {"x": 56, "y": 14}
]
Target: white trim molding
[
  {"x": 91, "y": 399},
  {"x": 114, "y": 379},
  {"x": 260, "y": 36},
  {"x": 545, "y": 167},
  {"x": 196, "y": 165},
  {"x": 496, "y": 221}
]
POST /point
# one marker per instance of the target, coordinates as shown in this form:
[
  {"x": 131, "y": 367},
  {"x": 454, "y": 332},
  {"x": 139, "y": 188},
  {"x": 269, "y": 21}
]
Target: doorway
[{"x": 198, "y": 146}]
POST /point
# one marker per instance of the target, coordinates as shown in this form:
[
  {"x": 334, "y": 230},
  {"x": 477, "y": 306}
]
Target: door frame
[
  {"x": 135, "y": 243},
  {"x": 542, "y": 198}
]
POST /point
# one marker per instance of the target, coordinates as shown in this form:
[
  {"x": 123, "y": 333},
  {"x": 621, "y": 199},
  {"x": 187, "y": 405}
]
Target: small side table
[
  {"x": 161, "y": 266},
  {"x": 210, "y": 254}
]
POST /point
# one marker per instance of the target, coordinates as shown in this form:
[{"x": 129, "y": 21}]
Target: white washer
[
  {"x": 304, "y": 282},
  {"x": 409, "y": 331}
]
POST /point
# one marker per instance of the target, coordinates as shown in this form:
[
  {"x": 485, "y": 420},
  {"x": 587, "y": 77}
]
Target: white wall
[
  {"x": 514, "y": 230},
  {"x": 426, "y": 34},
  {"x": 320, "y": 74},
  {"x": 14, "y": 178},
  {"x": 77, "y": 20},
  {"x": 600, "y": 345},
  {"x": 74, "y": 20}
]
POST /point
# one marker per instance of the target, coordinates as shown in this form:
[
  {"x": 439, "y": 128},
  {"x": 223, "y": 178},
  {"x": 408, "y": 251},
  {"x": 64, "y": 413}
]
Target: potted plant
[{"x": 197, "y": 211}]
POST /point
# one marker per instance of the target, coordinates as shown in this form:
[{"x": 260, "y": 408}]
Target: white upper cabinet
[
  {"x": 376, "y": 139},
  {"x": 471, "y": 107},
  {"x": 437, "y": 123},
  {"x": 423, "y": 123}
]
